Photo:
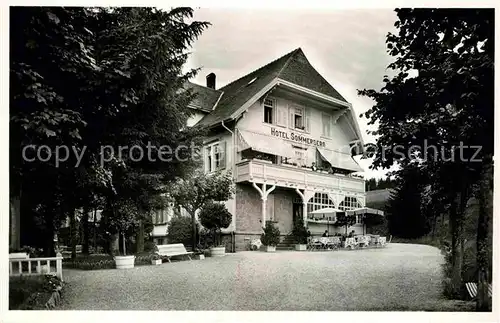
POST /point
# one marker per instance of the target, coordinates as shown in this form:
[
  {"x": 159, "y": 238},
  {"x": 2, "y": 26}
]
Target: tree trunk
[
  {"x": 483, "y": 302},
  {"x": 95, "y": 230},
  {"x": 73, "y": 233},
  {"x": 456, "y": 228},
  {"x": 123, "y": 241},
  {"x": 15, "y": 223},
  {"x": 139, "y": 240},
  {"x": 193, "y": 240},
  {"x": 113, "y": 244},
  {"x": 86, "y": 232}
]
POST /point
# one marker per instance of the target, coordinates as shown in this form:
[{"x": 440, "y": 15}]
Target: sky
[{"x": 346, "y": 46}]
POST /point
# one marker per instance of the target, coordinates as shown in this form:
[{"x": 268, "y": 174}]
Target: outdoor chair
[
  {"x": 350, "y": 243},
  {"x": 315, "y": 244},
  {"x": 333, "y": 243},
  {"x": 364, "y": 241}
]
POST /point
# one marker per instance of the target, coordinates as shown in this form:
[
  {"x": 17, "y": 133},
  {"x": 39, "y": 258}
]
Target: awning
[
  {"x": 264, "y": 144},
  {"x": 366, "y": 210},
  {"x": 340, "y": 160},
  {"x": 327, "y": 210}
]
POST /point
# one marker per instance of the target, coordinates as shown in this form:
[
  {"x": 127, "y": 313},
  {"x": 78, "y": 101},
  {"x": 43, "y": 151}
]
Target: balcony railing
[{"x": 259, "y": 171}]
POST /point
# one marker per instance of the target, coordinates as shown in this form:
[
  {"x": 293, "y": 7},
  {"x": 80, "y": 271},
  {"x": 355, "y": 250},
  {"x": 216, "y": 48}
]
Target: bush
[
  {"x": 271, "y": 235},
  {"x": 299, "y": 231},
  {"x": 31, "y": 293},
  {"x": 214, "y": 217},
  {"x": 206, "y": 239},
  {"x": 180, "y": 230}
]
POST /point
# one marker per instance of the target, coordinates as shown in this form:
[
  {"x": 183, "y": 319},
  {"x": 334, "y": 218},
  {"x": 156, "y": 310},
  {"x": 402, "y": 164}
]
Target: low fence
[{"x": 19, "y": 267}]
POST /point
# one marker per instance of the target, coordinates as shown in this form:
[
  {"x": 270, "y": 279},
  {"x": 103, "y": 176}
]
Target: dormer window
[{"x": 269, "y": 111}]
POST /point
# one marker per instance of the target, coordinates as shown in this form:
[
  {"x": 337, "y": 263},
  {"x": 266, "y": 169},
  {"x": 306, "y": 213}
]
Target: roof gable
[
  {"x": 299, "y": 71},
  {"x": 205, "y": 97},
  {"x": 293, "y": 67}
]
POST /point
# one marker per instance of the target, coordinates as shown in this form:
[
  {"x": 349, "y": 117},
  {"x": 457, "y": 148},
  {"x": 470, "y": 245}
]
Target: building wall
[
  {"x": 283, "y": 209},
  {"x": 341, "y": 131},
  {"x": 248, "y": 210}
]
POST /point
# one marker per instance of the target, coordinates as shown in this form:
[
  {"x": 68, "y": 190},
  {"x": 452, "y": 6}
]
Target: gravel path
[{"x": 398, "y": 277}]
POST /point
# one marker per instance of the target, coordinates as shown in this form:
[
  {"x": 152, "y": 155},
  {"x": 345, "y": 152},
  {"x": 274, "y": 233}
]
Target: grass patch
[{"x": 31, "y": 292}]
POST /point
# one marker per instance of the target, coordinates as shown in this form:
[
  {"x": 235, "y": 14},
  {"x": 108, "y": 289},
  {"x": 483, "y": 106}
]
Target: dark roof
[
  {"x": 293, "y": 67},
  {"x": 205, "y": 97}
]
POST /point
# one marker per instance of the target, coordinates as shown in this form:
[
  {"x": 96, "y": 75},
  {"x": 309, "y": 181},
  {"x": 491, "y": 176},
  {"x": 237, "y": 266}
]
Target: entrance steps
[{"x": 287, "y": 243}]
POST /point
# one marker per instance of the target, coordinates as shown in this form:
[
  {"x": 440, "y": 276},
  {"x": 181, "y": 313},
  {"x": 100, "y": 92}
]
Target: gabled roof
[
  {"x": 293, "y": 67},
  {"x": 205, "y": 97}
]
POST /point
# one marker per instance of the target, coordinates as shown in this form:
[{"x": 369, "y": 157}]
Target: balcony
[{"x": 260, "y": 171}]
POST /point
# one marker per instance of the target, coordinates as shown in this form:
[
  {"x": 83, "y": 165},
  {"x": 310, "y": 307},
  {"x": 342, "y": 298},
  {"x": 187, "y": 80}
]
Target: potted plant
[
  {"x": 156, "y": 259},
  {"x": 299, "y": 233},
  {"x": 271, "y": 237},
  {"x": 214, "y": 217},
  {"x": 123, "y": 215}
]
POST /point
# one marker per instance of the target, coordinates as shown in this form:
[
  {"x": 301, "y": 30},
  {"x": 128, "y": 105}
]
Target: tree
[
  {"x": 405, "y": 205},
  {"x": 441, "y": 96},
  {"x": 198, "y": 190},
  {"x": 345, "y": 220},
  {"x": 214, "y": 217},
  {"x": 88, "y": 78},
  {"x": 123, "y": 215}
]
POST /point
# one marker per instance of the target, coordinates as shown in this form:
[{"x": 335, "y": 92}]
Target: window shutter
[
  {"x": 222, "y": 152},
  {"x": 281, "y": 116},
  {"x": 291, "y": 124},
  {"x": 308, "y": 120}
]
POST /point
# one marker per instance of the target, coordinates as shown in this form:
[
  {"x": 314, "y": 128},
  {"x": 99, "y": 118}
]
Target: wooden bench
[{"x": 172, "y": 250}]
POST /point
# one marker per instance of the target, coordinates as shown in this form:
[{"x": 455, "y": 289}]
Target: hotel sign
[{"x": 297, "y": 137}]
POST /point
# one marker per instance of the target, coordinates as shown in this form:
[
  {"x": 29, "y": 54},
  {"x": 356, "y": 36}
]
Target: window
[
  {"x": 319, "y": 201},
  {"x": 349, "y": 203},
  {"x": 161, "y": 216},
  {"x": 300, "y": 157},
  {"x": 269, "y": 111},
  {"x": 327, "y": 121},
  {"x": 298, "y": 119},
  {"x": 215, "y": 157}
]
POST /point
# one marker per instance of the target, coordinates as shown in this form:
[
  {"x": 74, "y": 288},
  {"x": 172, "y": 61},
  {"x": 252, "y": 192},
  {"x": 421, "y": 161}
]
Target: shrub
[
  {"x": 206, "y": 239},
  {"x": 271, "y": 235},
  {"x": 299, "y": 231},
  {"x": 28, "y": 293},
  {"x": 180, "y": 230},
  {"x": 214, "y": 217}
]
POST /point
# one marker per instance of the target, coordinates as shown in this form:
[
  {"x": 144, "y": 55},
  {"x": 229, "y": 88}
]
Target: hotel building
[{"x": 288, "y": 138}]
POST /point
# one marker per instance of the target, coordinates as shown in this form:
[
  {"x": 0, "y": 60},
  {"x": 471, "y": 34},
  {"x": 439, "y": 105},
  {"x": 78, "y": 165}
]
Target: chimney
[{"x": 211, "y": 81}]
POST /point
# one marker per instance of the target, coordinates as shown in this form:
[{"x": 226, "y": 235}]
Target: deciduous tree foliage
[
  {"x": 89, "y": 78},
  {"x": 199, "y": 189},
  {"x": 440, "y": 94},
  {"x": 214, "y": 217}
]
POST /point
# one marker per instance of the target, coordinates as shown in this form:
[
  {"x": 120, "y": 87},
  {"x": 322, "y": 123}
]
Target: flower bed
[
  {"x": 95, "y": 262},
  {"x": 32, "y": 292}
]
